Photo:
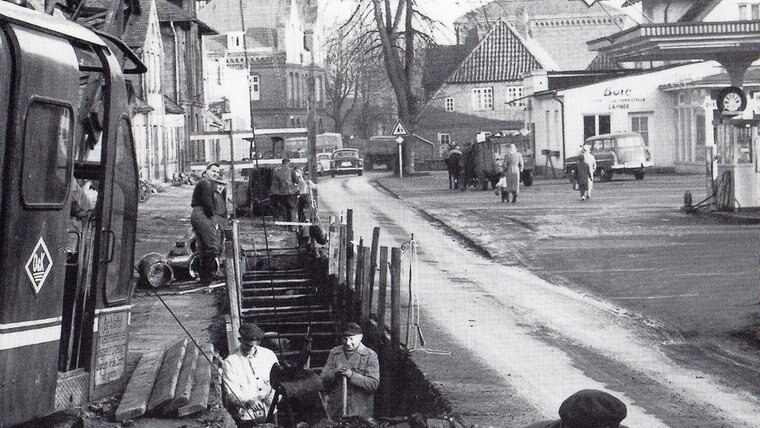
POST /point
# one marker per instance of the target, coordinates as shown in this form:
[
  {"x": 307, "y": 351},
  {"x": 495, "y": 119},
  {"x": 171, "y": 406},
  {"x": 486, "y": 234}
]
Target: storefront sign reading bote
[{"x": 619, "y": 98}]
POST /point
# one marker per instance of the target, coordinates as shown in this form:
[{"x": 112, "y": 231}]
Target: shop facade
[{"x": 671, "y": 122}]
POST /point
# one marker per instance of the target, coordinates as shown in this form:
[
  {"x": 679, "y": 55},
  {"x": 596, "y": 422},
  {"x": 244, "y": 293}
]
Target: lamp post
[{"x": 400, "y": 141}]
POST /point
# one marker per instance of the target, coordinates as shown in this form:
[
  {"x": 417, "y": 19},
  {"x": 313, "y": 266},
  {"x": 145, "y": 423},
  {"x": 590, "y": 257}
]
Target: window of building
[
  {"x": 515, "y": 97},
  {"x": 640, "y": 124},
  {"x": 47, "y": 123},
  {"x": 482, "y": 99},
  {"x": 444, "y": 138},
  {"x": 255, "y": 91},
  {"x": 595, "y": 125},
  {"x": 749, "y": 10},
  {"x": 449, "y": 104}
]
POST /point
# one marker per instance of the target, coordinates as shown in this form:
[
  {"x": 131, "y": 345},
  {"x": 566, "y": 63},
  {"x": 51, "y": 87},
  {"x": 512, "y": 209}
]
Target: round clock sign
[{"x": 731, "y": 100}]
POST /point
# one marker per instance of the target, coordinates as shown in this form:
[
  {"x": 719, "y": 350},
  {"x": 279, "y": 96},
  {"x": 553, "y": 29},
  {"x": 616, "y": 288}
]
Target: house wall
[
  {"x": 463, "y": 100},
  {"x": 149, "y": 129}
]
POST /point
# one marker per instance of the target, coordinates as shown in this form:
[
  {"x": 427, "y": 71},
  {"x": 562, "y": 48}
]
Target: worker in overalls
[{"x": 204, "y": 223}]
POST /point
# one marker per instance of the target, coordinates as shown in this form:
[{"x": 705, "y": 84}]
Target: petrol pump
[{"x": 732, "y": 166}]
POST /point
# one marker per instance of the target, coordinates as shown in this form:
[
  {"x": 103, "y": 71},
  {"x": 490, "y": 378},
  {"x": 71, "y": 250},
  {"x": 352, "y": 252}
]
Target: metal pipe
[{"x": 562, "y": 115}]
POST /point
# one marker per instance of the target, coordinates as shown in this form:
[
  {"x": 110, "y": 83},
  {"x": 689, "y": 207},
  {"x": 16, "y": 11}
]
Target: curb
[
  {"x": 469, "y": 242},
  {"x": 735, "y": 218},
  {"x": 384, "y": 187}
]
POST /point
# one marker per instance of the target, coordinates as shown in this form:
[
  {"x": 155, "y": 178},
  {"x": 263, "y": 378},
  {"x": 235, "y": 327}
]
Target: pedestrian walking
[
  {"x": 582, "y": 177},
  {"x": 284, "y": 193},
  {"x": 204, "y": 223},
  {"x": 501, "y": 188},
  {"x": 511, "y": 169},
  {"x": 588, "y": 408},
  {"x": 590, "y": 160},
  {"x": 351, "y": 375}
]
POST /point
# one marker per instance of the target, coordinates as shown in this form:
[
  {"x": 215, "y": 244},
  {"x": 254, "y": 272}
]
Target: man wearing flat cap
[
  {"x": 205, "y": 204},
  {"x": 246, "y": 378},
  {"x": 355, "y": 367},
  {"x": 588, "y": 408}
]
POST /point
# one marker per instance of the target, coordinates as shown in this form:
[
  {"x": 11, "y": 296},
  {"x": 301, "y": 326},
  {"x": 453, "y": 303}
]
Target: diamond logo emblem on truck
[{"x": 39, "y": 265}]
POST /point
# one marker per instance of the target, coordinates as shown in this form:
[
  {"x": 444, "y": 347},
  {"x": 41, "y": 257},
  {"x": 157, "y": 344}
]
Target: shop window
[
  {"x": 255, "y": 90},
  {"x": 595, "y": 125},
  {"x": 449, "y": 104},
  {"x": 47, "y": 153},
  {"x": 640, "y": 124},
  {"x": 444, "y": 138},
  {"x": 482, "y": 99}
]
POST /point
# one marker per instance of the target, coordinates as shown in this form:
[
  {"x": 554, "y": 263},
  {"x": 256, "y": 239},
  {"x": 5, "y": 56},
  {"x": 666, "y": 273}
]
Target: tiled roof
[
  {"x": 435, "y": 117},
  {"x": 532, "y": 8},
  {"x": 137, "y": 27},
  {"x": 169, "y": 12},
  {"x": 440, "y": 62},
  {"x": 261, "y": 37},
  {"x": 500, "y": 56}
]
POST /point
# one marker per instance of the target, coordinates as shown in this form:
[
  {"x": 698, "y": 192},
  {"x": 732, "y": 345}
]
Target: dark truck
[
  {"x": 488, "y": 156},
  {"x": 380, "y": 150}
]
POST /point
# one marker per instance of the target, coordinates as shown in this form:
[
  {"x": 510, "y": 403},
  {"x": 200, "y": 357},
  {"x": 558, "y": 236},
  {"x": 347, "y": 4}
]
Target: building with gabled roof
[
  {"x": 561, "y": 27},
  {"x": 486, "y": 84}
]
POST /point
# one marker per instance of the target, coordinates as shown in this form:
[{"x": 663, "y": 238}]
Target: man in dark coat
[
  {"x": 354, "y": 367},
  {"x": 284, "y": 192},
  {"x": 588, "y": 408},
  {"x": 204, "y": 223},
  {"x": 582, "y": 177}
]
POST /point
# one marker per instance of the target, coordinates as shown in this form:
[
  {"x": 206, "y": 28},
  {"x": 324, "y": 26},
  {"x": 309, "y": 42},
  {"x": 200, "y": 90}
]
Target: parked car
[
  {"x": 346, "y": 161},
  {"x": 323, "y": 163},
  {"x": 621, "y": 153}
]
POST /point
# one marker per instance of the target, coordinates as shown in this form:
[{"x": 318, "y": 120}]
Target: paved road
[{"x": 533, "y": 339}]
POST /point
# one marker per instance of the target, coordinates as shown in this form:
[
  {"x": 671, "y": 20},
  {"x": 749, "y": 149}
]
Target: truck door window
[
  {"x": 47, "y": 155},
  {"x": 123, "y": 213}
]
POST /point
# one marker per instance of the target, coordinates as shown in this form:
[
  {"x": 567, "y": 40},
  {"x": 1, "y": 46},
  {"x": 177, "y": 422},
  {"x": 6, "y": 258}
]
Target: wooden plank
[
  {"x": 232, "y": 294},
  {"x": 201, "y": 385},
  {"x": 350, "y": 249},
  {"x": 366, "y": 285},
  {"x": 382, "y": 287},
  {"x": 333, "y": 249},
  {"x": 185, "y": 380},
  {"x": 134, "y": 402},
  {"x": 396, "y": 298},
  {"x": 343, "y": 233},
  {"x": 231, "y": 334},
  {"x": 355, "y": 303},
  {"x": 236, "y": 257},
  {"x": 166, "y": 381},
  {"x": 373, "y": 265}
]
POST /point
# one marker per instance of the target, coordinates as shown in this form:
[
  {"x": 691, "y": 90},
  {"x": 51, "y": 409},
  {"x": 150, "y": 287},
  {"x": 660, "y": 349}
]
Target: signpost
[{"x": 400, "y": 131}]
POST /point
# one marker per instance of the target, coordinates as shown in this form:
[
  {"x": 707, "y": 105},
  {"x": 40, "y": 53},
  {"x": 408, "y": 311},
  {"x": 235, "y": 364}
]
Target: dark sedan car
[{"x": 346, "y": 161}]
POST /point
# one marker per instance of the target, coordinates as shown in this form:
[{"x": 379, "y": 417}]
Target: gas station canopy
[{"x": 683, "y": 41}]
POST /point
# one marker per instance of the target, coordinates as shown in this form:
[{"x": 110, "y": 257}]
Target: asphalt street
[{"x": 551, "y": 294}]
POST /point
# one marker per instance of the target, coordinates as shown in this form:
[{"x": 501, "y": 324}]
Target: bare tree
[
  {"x": 396, "y": 26},
  {"x": 342, "y": 80}
]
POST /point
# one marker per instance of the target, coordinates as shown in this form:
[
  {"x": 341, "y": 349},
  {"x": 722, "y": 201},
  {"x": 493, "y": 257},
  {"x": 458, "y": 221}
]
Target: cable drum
[{"x": 154, "y": 271}]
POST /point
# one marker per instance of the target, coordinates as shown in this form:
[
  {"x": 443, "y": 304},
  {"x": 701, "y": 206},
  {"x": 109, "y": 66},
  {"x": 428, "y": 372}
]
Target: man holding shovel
[{"x": 351, "y": 375}]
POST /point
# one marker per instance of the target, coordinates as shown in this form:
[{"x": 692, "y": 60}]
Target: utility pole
[{"x": 311, "y": 120}]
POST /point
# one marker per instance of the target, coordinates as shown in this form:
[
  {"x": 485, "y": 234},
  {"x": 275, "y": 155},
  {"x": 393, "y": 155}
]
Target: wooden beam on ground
[
  {"x": 134, "y": 402},
  {"x": 166, "y": 381},
  {"x": 356, "y": 299},
  {"x": 396, "y": 298},
  {"x": 382, "y": 287},
  {"x": 184, "y": 381},
  {"x": 201, "y": 385}
]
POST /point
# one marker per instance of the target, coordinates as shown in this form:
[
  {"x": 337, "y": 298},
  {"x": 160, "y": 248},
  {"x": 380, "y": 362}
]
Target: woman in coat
[{"x": 512, "y": 168}]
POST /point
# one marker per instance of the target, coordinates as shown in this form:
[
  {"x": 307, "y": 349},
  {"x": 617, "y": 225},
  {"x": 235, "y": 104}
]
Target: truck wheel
[
  {"x": 638, "y": 175},
  {"x": 570, "y": 174},
  {"x": 528, "y": 178},
  {"x": 332, "y": 174},
  {"x": 605, "y": 175},
  {"x": 360, "y": 173}
]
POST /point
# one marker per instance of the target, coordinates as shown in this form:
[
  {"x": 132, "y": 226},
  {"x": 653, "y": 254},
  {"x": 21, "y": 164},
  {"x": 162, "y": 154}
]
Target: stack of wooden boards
[{"x": 172, "y": 382}]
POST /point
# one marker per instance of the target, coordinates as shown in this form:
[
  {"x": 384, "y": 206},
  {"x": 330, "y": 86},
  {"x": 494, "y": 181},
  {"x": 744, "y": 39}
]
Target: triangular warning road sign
[{"x": 399, "y": 129}]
